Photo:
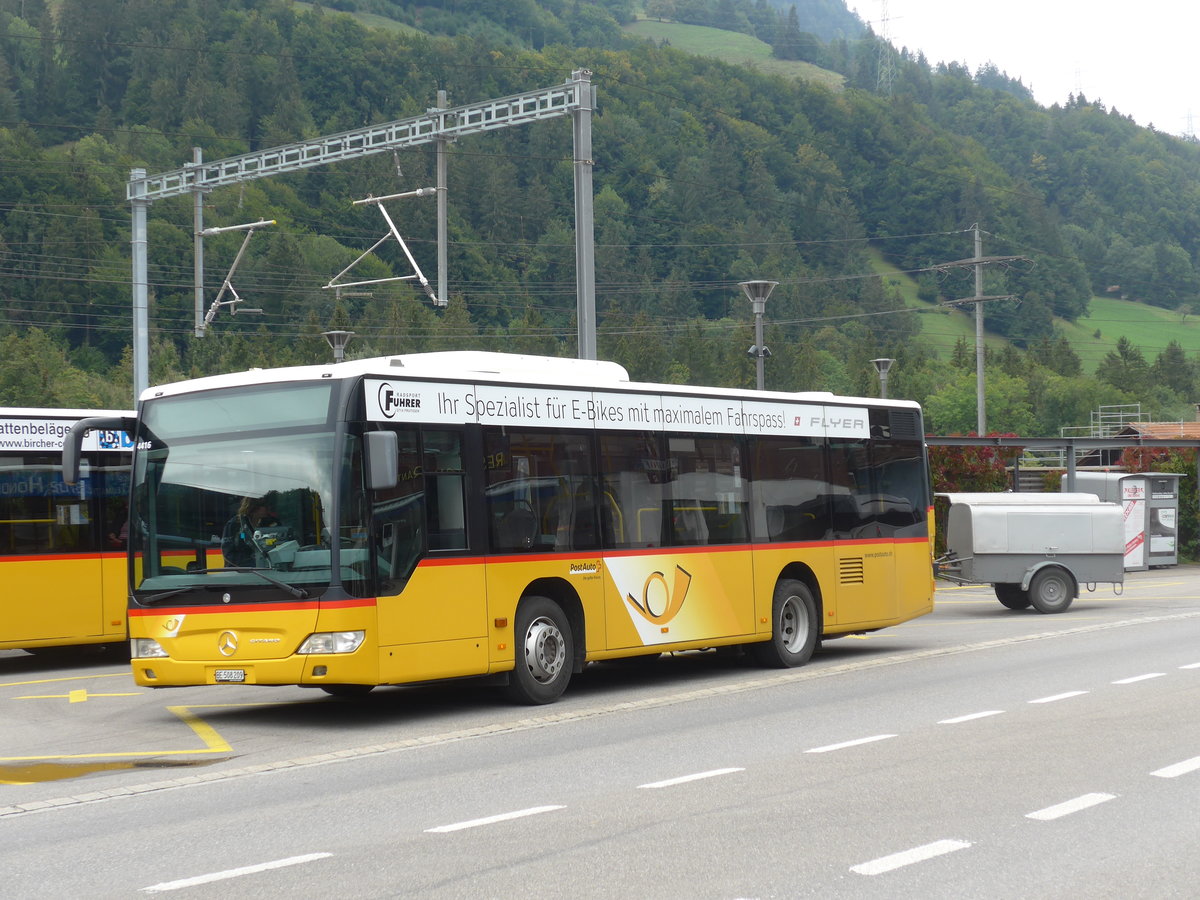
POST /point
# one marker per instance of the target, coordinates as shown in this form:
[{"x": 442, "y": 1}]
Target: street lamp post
[
  {"x": 882, "y": 366},
  {"x": 757, "y": 293},
  {"x": 337, "y": 342}
]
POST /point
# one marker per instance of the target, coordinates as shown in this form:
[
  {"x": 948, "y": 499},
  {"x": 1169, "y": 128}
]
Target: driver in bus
[{"x": 237, "y": 540}]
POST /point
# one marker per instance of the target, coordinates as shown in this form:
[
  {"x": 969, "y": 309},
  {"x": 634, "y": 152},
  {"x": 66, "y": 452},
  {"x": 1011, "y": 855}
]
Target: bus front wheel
[
  {"x": 795, "y": 627},
  {"x": 545, "y": 652}
]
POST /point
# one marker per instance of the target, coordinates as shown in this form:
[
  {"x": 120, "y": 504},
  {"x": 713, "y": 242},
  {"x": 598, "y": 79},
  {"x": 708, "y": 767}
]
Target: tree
[
  {"x": 1173, "y": 369},
  {"x": 1125, "y": 368}
]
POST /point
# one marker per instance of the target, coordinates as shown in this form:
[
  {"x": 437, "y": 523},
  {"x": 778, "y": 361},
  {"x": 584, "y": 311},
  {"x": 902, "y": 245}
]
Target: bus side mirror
[
  {"x": 73, "y": 442},
  {"x": 382, "y": 451}
]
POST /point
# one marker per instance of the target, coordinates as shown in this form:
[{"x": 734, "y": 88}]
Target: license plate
[{"x": 232, "y": 675}]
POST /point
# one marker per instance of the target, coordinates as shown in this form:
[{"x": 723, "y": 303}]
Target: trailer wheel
[
  {"x": 1051, "y": 590},
  {"x": 1012, "y": 596}
]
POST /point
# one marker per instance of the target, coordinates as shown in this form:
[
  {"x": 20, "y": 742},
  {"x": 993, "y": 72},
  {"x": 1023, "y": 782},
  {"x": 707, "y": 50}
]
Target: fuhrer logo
[
  {"x": 391, "y": 401},
  {"x": 661, "y": 601}
]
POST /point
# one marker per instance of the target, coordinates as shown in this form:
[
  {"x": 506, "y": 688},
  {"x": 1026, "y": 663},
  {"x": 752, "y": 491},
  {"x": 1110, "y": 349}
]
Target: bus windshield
[{"x": 246, "y": 508}]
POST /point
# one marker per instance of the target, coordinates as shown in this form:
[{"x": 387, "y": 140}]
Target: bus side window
[
  {"x": 791, "y": 499},
  {"x": 633, "y": 470},
  {"x": 397, "y": 518},
  {"x": 446, "y": 494},
  {"x": 708, "y": 504}
]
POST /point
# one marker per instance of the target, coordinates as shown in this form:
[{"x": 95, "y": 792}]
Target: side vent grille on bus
[
  {"x": 905, "y": 424},
  {"x": 850, "y": 570}
]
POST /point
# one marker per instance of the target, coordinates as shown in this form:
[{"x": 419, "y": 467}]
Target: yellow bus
[
  {"x": 62, "y": 547},
  {"x": 452, "y": 514}
]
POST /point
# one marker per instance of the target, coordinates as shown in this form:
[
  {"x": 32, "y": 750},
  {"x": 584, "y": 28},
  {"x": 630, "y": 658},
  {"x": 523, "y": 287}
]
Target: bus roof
[{"x": 489, "y": 366}]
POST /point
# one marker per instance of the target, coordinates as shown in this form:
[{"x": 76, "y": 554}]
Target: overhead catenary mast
[{"x": 575, "y": 97}]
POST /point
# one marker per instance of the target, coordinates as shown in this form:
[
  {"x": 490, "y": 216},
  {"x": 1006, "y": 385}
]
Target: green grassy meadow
[
  {"x": 731, "y": 47},
  {"x": 1150, "y": 328}
]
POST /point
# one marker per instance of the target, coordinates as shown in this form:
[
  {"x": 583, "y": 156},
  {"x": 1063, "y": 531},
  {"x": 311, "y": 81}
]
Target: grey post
[{"x": 757, "y": 293}]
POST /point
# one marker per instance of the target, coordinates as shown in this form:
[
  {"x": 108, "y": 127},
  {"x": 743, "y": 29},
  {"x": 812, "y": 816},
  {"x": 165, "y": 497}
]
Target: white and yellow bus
[
  {"x": 440, "y": 515},
  {"x": 62, "y": 547}
]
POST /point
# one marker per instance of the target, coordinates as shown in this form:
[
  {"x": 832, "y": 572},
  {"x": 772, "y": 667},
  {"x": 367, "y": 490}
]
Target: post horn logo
[{"x": 661, "y": 602}]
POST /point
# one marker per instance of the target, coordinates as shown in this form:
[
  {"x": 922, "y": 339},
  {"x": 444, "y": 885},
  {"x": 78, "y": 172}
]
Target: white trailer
[{"x": 1035, "y": 549}]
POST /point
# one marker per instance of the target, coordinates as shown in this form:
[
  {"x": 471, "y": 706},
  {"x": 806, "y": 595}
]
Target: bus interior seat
[{"x": 517, "y": 530}]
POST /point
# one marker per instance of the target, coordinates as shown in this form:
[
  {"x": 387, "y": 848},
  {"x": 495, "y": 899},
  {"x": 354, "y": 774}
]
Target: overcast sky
[{"x": 1137, "y": 57}]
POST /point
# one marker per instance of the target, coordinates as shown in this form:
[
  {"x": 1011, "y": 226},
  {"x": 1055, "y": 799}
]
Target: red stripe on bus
[
  {"x": 44, "y": 557},
  {"x": 430, "y": 561}
]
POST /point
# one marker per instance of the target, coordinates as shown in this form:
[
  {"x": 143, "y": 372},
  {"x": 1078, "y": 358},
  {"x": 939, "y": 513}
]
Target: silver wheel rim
[
  {"x": 793, "y": 624},
  {"x": 545, "y": 650}
]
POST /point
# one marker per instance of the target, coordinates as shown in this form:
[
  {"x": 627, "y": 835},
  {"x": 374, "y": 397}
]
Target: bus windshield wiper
[
  {"x": 162, "y": 595},
  {"x": 299, "y": 593}
]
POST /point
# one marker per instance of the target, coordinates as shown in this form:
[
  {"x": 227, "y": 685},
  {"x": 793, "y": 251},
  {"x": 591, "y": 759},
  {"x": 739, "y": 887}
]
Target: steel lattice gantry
[{"x": 575, "y": 97}]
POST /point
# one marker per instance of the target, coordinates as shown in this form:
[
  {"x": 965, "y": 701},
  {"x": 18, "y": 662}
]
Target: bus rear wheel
[
  {"x": 545, "y": 652},
  {"x": 795, "y": 627},
  {"x": 1012, "y": 596},
  {"x": 1051, "y": 590}
]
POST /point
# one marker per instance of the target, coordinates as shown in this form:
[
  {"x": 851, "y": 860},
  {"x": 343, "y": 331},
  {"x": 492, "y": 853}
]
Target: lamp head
[{"x": 757, "y": 292}]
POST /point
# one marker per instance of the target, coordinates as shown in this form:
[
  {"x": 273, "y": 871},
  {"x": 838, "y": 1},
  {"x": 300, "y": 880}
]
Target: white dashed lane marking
[
  {"x": 684, "y": 779},
  {"x": 492, "y": 820},
  {"x": 232, "y": 873},
  {"x": 1071, "y": 806},
  {"x": 908, "y": 857},
  {"x": 1137, "y": 678},
  {"x": 855, "y": 743},
  {"x": 1181, "y": 768},
  {"x": 1054, "y": 698},
  {"x": 971, "y": 717}
]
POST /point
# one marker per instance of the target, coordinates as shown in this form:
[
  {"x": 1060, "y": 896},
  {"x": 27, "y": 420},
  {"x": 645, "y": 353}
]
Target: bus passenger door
[{"x": 432, "y": 598}]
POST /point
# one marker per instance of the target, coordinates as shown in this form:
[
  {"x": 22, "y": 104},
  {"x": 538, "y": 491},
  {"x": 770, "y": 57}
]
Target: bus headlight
[
  {"x": 145, "y": 648},
  {"x": 332, "y": 642}
]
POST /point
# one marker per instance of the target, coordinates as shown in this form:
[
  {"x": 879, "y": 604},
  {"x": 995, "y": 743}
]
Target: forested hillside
[{"x": 706, "y": 174}]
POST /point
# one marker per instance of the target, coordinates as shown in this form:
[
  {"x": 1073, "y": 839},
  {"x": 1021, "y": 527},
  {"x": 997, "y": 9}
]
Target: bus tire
[
  {"x": 1051, "y": 590},
  {"x": 545, "y": 651},
  {"x": 1012, "y": 596},
  {"x": 795, "y": 627}
]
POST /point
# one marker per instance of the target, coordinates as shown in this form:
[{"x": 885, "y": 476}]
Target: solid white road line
[
  {"x": 683, "y": 779},
  {"x": 1137, "y": 678},
  {"x": 1071, "y": 806},
  {"x": 233, "y": 873},
  {"x": 845, "y": 744},
  {"x": 491, "y": 820},
  {"x": 1181, "y": 768},
  {"x": 1056, "y": 697},
  {"x": 971, "y": 717},
  {"x": 908, "y": 857}
]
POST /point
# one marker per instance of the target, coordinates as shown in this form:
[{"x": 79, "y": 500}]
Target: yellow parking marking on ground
[
  {"x": 4, "y": 684},
  {"x": 213, "y": 742},
  {"x": 77, "y": 696},
  {"x": 206, "y": 733}
]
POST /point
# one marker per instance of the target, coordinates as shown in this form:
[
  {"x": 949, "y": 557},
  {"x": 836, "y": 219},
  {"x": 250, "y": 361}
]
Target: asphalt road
[{"x": 977, "y": 752}]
